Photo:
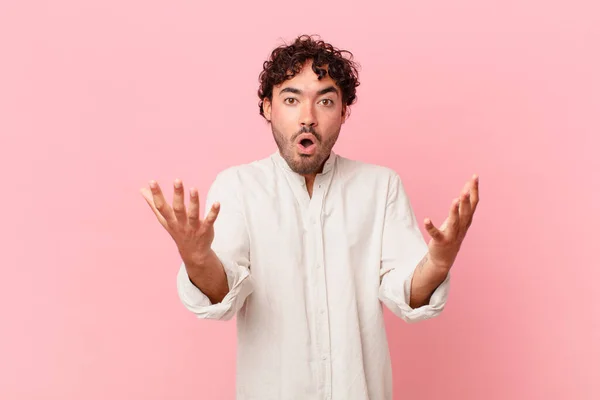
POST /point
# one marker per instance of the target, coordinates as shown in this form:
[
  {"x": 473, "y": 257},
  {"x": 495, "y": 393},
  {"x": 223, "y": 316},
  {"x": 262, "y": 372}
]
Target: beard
[{"x": 304, "y": 164}]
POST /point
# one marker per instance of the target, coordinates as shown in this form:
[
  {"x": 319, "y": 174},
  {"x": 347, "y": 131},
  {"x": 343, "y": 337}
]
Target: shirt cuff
[
  {"x": 395, "y": 294},
  {"x": 240, "y": 286}
]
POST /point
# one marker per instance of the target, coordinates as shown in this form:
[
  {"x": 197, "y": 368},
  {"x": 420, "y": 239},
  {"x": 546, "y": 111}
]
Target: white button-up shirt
[{"x": 307, "y": 277}]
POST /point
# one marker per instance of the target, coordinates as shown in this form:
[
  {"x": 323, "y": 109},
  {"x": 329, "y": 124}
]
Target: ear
[
  {"x": 345, "y": 113},
  {"x": 267, "y": 108}
]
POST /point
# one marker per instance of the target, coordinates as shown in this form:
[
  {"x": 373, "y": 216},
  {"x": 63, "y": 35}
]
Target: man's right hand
[{"x": 192, "y": 235}]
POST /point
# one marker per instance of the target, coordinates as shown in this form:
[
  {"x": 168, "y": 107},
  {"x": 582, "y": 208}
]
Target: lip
[{"x": 307, "y": 150}]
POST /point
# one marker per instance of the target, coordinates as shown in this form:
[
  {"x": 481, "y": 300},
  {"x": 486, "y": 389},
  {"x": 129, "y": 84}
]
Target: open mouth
[{"x": 306, "y": 143}]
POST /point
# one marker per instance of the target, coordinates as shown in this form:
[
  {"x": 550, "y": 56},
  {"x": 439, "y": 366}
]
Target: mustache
[{"x": 308, "y": 129}]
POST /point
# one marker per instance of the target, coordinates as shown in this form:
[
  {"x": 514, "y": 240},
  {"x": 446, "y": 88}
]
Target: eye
[
  {"x": 329, "y": 102},
  {"x": 289, "y": 100}
]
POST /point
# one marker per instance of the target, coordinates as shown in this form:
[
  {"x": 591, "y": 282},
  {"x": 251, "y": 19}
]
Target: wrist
[
  {"x": 196, "y": 260},
  {"x": 437, "y": 268}
]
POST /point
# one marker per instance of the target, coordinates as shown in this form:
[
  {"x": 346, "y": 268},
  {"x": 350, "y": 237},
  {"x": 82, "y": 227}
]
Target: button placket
[{"x": 323, "y": 337}]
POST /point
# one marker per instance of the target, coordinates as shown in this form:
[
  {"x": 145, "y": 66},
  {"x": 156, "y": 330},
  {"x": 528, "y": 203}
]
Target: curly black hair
[{"x": 287, "y": 60}]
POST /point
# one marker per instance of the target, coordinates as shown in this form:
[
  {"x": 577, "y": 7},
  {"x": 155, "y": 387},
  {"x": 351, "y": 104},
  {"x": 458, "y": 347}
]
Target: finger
[
  {"x": 179, "y": 202},
  {"x": 464, "y": 211},
  {"x": 434, "y": 232},
  {"x": 212, "y": 214},
  {"x": 467, "y": 186},
  {"x": 453, "y": 219},
  {"x": 474, "y": 193},
  {"x": 194, "y": 211},
  {"x": 159, "y": 202},
  {"x": 147, "y": 194}
]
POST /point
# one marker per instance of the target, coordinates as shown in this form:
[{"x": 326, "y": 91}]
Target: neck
[{"x": 310, "y": 181}]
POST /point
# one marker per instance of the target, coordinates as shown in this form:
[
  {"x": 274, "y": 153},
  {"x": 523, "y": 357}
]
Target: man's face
[{"x": 306, "y": 116}]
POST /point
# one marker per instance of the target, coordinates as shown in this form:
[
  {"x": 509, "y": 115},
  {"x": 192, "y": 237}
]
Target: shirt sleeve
[
  {"x": 403, "y": 247},
  {"x": 232, "y": 245}
]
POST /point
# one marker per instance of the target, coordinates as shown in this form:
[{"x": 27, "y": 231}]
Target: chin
[{"x": 307, "y": 164}]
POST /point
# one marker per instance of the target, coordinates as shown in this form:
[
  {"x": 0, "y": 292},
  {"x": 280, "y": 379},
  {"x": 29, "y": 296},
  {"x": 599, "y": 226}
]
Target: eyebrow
[{"x": 328, "y": 89}]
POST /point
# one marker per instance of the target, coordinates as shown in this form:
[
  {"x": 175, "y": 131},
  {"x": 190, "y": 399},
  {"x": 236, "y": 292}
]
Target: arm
[
  {"x": 214, "y": 277},
  {"x": 425, "y": 280},
  {"x": 444, "y": 245},
  {"x": 208, "y": 275},
  {"x": 420, "y": 292},
  {"x": 409, "y": 287},
  {"x": 216, "y": 286}
]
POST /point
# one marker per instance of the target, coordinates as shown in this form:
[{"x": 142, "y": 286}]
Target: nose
[{"x": 308, "y": 118}]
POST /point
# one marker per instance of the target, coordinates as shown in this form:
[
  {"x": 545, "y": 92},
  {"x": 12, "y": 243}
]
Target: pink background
[{"x": 98, "y": 97}]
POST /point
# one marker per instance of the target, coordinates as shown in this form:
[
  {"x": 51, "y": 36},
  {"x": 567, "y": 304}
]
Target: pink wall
[{"x": 98, "y": 97}]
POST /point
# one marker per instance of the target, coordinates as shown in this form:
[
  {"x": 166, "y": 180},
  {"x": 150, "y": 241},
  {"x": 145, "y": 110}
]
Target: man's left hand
[{"x": 446, "y": 241}]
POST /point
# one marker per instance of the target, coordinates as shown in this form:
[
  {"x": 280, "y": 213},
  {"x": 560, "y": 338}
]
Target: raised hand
[
  {"x": 446, "y": 241},
  {"x": 192, "y": 235}
]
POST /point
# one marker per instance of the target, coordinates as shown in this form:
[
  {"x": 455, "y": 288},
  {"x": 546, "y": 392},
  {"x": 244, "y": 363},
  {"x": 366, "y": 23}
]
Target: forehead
[{"x": 307, "y": 80}]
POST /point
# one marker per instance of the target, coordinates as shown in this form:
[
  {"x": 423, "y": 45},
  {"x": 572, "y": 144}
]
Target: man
[{"x": 305, "y": 246}]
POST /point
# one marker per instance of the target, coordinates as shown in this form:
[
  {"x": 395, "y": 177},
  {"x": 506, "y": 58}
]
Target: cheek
[
  {"x": 332, "y": 120},
  {"x": 282, "y": 113},
  {"x": 283, "y": 118}
]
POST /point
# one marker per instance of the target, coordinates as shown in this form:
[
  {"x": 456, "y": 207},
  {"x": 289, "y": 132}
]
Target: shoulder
[
  {"x": 365, "y": 171},
  {"x": 234, "y": 176}
]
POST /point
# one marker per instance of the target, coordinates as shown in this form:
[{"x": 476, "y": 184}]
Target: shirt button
[
  {"x": 322, "y": 311},
  {"x": 324, "y": 357}
]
